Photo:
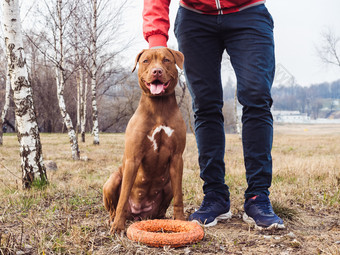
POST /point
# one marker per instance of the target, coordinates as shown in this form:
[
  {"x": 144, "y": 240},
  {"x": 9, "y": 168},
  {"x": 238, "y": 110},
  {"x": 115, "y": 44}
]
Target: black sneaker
[
  {"x": 213, "y": 208},
  {"x": 259, "y": 212}
]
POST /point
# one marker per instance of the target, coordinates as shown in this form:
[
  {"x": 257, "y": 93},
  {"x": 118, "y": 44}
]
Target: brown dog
[{"x": 151, "y": 174}]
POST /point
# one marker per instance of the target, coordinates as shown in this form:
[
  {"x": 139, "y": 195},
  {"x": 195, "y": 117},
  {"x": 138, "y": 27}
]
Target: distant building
[
  {"x": 290, "y": 117},
  {"x": 280, "y": 116},
  {"x": 297, "y": 117}
]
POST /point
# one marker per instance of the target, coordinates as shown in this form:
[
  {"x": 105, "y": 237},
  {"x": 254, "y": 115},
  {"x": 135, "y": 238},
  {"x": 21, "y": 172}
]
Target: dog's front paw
[{"x": 117, "y": 227}]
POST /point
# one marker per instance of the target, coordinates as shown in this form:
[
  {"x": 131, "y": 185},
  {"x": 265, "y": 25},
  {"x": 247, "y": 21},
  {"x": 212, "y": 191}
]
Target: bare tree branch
[{"x": 329, "y": 52}]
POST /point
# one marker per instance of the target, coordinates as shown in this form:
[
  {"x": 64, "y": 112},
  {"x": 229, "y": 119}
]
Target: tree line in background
[{"x": 317, "y": 101}]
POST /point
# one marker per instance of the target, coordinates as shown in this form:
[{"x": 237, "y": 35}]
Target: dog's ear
[
  {"x": 137, "y": 59},
  {"x": 179, "y": 57}
]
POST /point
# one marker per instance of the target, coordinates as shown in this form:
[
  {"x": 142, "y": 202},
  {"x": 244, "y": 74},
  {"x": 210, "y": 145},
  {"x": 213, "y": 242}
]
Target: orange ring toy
[{"x": 160, "y": 233}]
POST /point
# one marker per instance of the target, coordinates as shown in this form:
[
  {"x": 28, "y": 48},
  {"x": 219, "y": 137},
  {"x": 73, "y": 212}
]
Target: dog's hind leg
[{"x": 111, "y": 192}]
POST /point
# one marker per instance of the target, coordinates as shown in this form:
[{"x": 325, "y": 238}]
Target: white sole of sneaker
[
  {"x": 224, "y": 216},
  {"x": 251, "y": 221}
]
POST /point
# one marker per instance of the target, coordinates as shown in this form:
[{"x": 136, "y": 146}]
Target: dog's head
[{"x": 157, "y": 72}]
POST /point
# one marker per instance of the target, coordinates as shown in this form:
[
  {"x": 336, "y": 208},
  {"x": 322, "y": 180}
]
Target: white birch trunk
[
  {"x": 60, "y": 89},
  {"x": 6, "y": 105},
  {"x": 28, "y": 134},
  {"x": 95, "y": 129},
  {"x": 78, "y": 107},
  {"x": 66, "y": 117},
  {"x": 237, "y": 121},
  {"x": 83, "y": 115},
  {"x": 78, "y": 81},
  {"x": 82, "y": 105}
]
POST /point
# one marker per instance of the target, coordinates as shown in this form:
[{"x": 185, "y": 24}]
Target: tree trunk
[
  {"x": 237, "y": 121},
  {"x": 79, "y": 85},
  {"x": 95, "y": 129},
  {"x": 78, "y": 107},
  {"x": 83, "y": 93},
  {"x": 66, "y": 117},
  {"x": 28, "y": 134},
  {"x": 6, "y": 105},
  {"x": 60, "y": 89}
]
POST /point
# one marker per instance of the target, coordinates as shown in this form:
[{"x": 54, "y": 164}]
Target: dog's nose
[{"x": 157, "y": 71}]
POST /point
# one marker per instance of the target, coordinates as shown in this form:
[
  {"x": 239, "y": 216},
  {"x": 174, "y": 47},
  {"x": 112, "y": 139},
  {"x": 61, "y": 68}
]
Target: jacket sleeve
[{"x": 156, "y": 22}]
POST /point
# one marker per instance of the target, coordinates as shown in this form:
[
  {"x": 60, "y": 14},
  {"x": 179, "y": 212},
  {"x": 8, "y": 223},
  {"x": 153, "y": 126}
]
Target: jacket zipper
[{"x": 218, "y": 5}]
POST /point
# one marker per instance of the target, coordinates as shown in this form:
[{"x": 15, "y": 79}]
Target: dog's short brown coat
[{"x": 151, "y": 173}]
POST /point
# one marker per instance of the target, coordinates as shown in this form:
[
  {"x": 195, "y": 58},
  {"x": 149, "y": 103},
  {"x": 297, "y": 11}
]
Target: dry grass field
[{"x": 67, "y": 217}]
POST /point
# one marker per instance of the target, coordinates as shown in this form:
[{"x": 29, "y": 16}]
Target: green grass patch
[
  {"x": 331, "y": 198},
  {"x": 284, "y": 211},
  {"x": 40, "y": 183},
  {"x": 24, "y": 203}
]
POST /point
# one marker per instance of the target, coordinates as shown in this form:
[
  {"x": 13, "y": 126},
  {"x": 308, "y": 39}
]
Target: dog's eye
[
  {"x": 145, "y": 61},
  {"x": 166, "y": 60}
]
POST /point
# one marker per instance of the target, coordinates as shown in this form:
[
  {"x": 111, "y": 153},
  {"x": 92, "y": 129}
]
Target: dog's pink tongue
[{"x": 156, "y": 89}]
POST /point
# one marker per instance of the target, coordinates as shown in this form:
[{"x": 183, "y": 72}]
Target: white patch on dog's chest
[{"x": 167, "y": 131}]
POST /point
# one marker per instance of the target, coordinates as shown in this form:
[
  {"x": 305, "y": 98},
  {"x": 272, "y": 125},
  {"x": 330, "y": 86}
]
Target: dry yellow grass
[{"x": 67, "y": 217}]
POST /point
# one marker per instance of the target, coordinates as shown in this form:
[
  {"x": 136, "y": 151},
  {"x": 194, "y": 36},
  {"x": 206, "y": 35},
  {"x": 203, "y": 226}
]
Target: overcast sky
[{"x": 297, "y": 31}]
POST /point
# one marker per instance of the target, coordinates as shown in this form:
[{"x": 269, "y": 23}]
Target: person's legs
[
  {"x": 202, "y": 47},
  {"x": 248, "y": 38}
]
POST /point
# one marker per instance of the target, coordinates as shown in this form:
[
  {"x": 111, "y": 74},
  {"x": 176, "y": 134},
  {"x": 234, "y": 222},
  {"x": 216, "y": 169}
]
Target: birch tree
[
  {"x": 237, "y": 119},
  {"x": 28, "y": 134},
  {"x": 103, "y": 27},
  {"x": 78, "y": 81},
  {"x": 94, "y": 69},
  {"x": 60, "y": 80},
  {"x": 78, "y": 28},
  {"x": 83, "y": 96}
]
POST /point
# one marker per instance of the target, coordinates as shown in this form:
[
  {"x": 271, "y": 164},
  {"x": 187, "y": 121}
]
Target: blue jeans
[{"x": 247, "y": 36}]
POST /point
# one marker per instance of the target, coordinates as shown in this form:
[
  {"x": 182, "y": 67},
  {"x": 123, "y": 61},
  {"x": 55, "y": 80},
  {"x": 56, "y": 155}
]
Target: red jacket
[{"x": 156, "y": 15}]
